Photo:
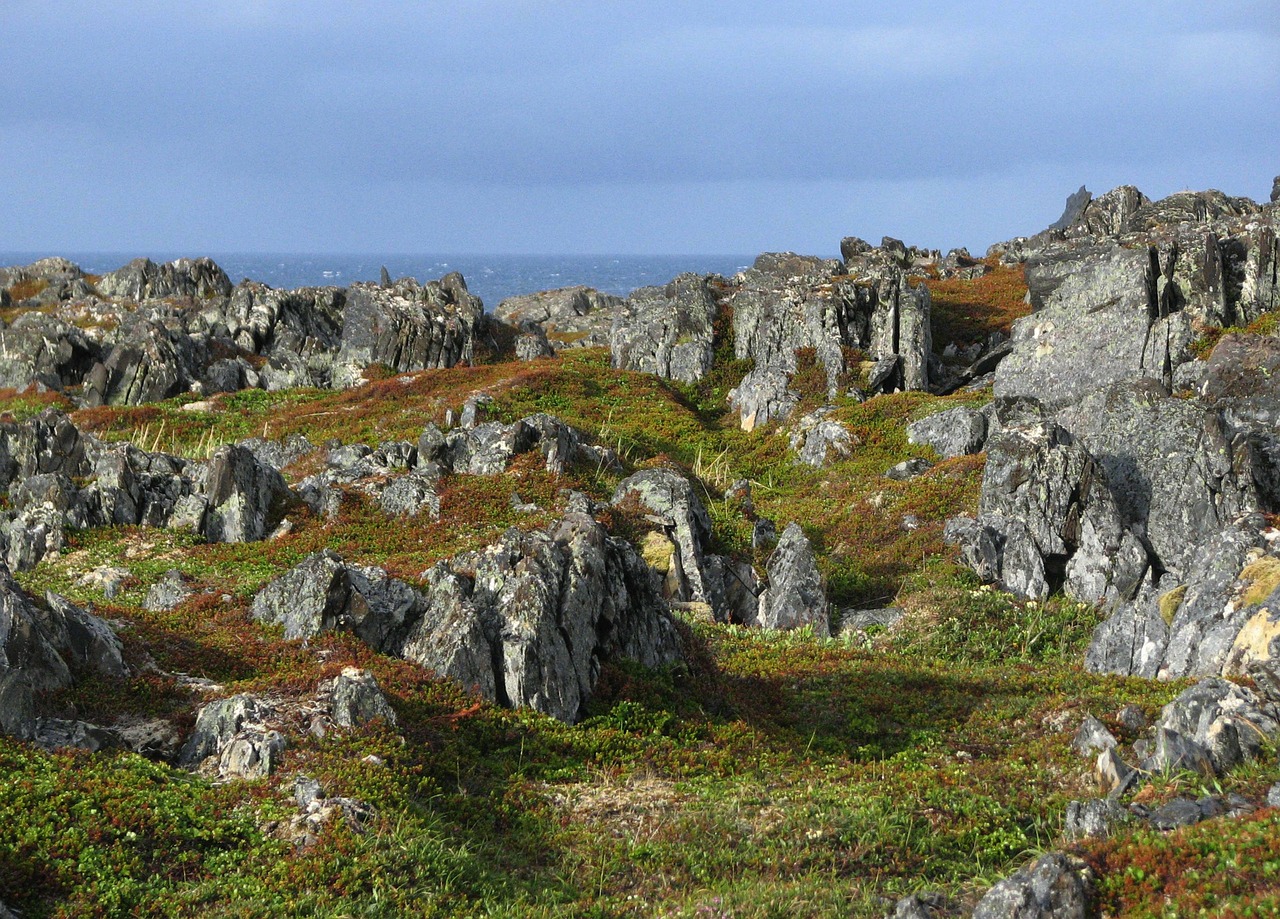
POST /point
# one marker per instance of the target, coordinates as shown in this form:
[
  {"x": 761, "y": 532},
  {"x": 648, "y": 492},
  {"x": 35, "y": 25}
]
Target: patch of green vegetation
[{"x": 966, "y": 311}]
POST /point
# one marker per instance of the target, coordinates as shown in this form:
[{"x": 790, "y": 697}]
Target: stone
[
  {"x": 1176, "y": 753},
  {"x": 1112, "y": 773},
  {"x": 909, "y": 469},
  {"x": 570, "y": 317},
  {"x": 762, "y": 396},
  {"x": 251, "y": 754},
  {"x": 246, "y": 499},
  {"x": 83, "y": 640},
  {"x": 167, "y": 593},
  {"x": 407, "y": 327},
  {"x": 17, "y": 705},
  {"x": 1215, "y": 722},
  {"x": 854, "y": 620},
  {"x": 818, "y": 439},
  {"x": 666, "y": 331},
  {"x": 142, "y": 279},
  {"x": 412, "y": 495},
  {"x": 533, "y": 615},
  {"x": 673, "y": 505},
  {"x": 1177, "y": 813},
  {"x": 1055, "y": 886},
  {"x": 1096, "y": 819},
  {"x": 1273, "y": 795},
  {"x": 219, "y": 724},
  {"x": 1074, "y": 211},
  {"x": 308, "y": 599},
  {"x": 959, "y": 431},
  {"x": 796, "y": 595},
  {"x": 1092, "y": 737},
  {"x": 357, "y": 699},
  {"x": 532, "y": 343}
]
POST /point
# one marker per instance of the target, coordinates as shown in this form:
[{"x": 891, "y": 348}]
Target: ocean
[{"x": 490, "y": 277}]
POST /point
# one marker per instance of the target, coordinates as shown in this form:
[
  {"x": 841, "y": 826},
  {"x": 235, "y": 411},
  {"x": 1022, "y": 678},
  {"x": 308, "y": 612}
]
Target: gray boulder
[
  {"x": 674, "y": 506},
  {"x": 1217, "y": 723},
  {"x": 246, "y": 498},
  {"x": 763, "y": 395},
  {"x": 41, "y": 349},
  {"x": 412, "y": 495},
  {"x": 818, "y": 438},
  {"x": 531, "y": 343},
  {"x": 1096, "y": 819},
  {"x": 83, "y": 640},
  {"x": 357, "y": 699},
  {"x": 1056, "y": 886},
  {"x": 796, "y": 595},
  {"x": 666, "y": 331},
  {"x": 959, "y": 431},
  {"x": 528, "y": 621},
  {"x": 233, "y": 739}
]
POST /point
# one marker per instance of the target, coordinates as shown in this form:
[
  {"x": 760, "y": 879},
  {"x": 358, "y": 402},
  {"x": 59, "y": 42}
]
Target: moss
[
  {"x": 1169, "y": 603},
  {"x": 1262, "y": 577}
]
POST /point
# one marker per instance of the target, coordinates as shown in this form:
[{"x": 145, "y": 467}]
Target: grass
[{"x": 967, "y": 311}]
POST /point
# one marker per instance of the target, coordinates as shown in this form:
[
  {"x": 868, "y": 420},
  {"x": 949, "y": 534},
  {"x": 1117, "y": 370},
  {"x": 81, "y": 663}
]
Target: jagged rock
[
  {"x": 142, "y": 279},
  {"x": 26, "y": 645},
  {"x": 817, "y": 438},
  {"x": 407, "y": 327},
  {"x": 153, "y": 738},
  {"x": 231, "y": 739},
  {"x": 1273, "y": 795},
  {"x": 63, "y": 734},
  {"x": 671, "y": 503},
  {"x": 1037, "y": 477},
  {"x": 1112, "y": 773},
  {"x": 527, "y": 621},
  {"x": 324, "y": 593},
  {"x": 1056, "y": 886},
  {"x": 1178, "y": 813},
  {"x": 1096, "y": 819},
  {"x": 412, "y": 495},
  {"x": 908, "y": 469},
  {"x": 959, "y": 431},
  {"x": 1177, "y": 472},
  {"x": 149, "y": 362},
  {"x": 532, "y": 343},
  {"x": 39, "y": 349},
  {"x": 921, "y": 906},
  {"x": 1092, "y": 736},
  {"x": 1217, "y": 724},
  {"x": 571, "y": 317},
  {"x": 279, "y": 453},
  {"x": 476, "y": 410},
  {"x": 317, "y": 810},
  {"x": 763, "y": 395},
  {"x": 246, "y": 499},
  {"x": 1094, "y": 326},
  {"x": 796, "y": 595},
  {"x": 17, "y": 704},
  {"x": 82, "y": 639},
  {"x": 1242, "y": 377},
  {"x": 666, "y": 331},
  {"x": 358, "y": 700},
  {"x": 1176, "y": 753},
  {"x": 167, "y": 593},
  {"x": 487, "y": 449},
  {"x": 1074, "y": 211},
  {"x": 1132, "y": 640}
]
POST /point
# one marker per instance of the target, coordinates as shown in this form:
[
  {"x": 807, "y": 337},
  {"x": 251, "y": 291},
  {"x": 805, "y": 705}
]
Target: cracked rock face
[
  {"x": 526, "y": 622},
  {"x": 1055, "y": 886},
  {"x": 796, "y": 595},
  {"x": 666, "y": 331}
]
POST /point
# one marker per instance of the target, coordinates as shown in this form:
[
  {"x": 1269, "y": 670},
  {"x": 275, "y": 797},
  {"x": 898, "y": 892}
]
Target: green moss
[{"x": 1169, "y": 603}]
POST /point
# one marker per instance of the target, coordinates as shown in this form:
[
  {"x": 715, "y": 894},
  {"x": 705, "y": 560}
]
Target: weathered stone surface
[
  {"x": 532, "y": 617},
  {"x": 412, "y": 495},
  {"x": 1096, "y": 819},
  {"x": 796, "y": 595},
  {"x": 763, "y": 395},
  {"x": 531, "y": 343},
  {"x": 1092, "y": 736},
  {"x": 407, "y": 327},
  {"x": 1112, "y": 773},
  {"x": 1074, "y": 210},
  {"x": 1242, "y": 377},
  {"x": 667, "y": 330},
  {"x": 308, "y": 599},
  {"x": 231, "y": 739},
  {"x": 1213, "y": 727},
  {"x": 246, "y": 499},
  {"x": 908, "y": 469},
  {"x": 571, "y": 317},
  {"x": 1093, "y": 327},
  {"x": 142, "y": 279},
  {"x": 40, "y": 349},
  {"x": 959, "y": 431},
  {"x": 357, "y": 699},
  {"x": 817, "y": 438},
  {"x": 672, "y": 504},
  {"x": 1056, "y": 886},
  {"x": 83, "y": 640}
]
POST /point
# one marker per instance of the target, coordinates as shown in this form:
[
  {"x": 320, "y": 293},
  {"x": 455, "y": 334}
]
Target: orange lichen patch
[{"x": 968, "y": 310}]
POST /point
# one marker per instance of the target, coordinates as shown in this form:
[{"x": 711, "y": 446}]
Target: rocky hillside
[{"x": 899, "y": 584}]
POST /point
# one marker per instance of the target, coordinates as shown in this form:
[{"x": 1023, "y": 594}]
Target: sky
[{"x": 503, "y": 126}]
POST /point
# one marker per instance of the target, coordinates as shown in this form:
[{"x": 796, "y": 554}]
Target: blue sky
[{"x": 496, "y": 126}]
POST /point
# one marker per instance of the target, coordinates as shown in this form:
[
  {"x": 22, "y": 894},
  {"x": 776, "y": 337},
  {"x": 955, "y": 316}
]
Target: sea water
[{"x": 490, "y": 277}]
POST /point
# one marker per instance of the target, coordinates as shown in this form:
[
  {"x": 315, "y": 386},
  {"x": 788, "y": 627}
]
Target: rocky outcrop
[
  {"x": 670, "y": 502},
  {"x": 526, "y": 622},
  {"x": 959, "y": 431},
  {"x": 142, "y": 279},
  {"x": 817, "y": 438},
  {"x": 407, "y": 327},
  {"x": 667, "y": 331},
  {"x": 796, "y": 595},
  {"x": 1055, "y": 886},
  {"x": 42, "y": 648},
  {"x": 1047, "y": 517},
  {"x": 570, "y": 317},
  {"x": 233, "y": 740}
]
